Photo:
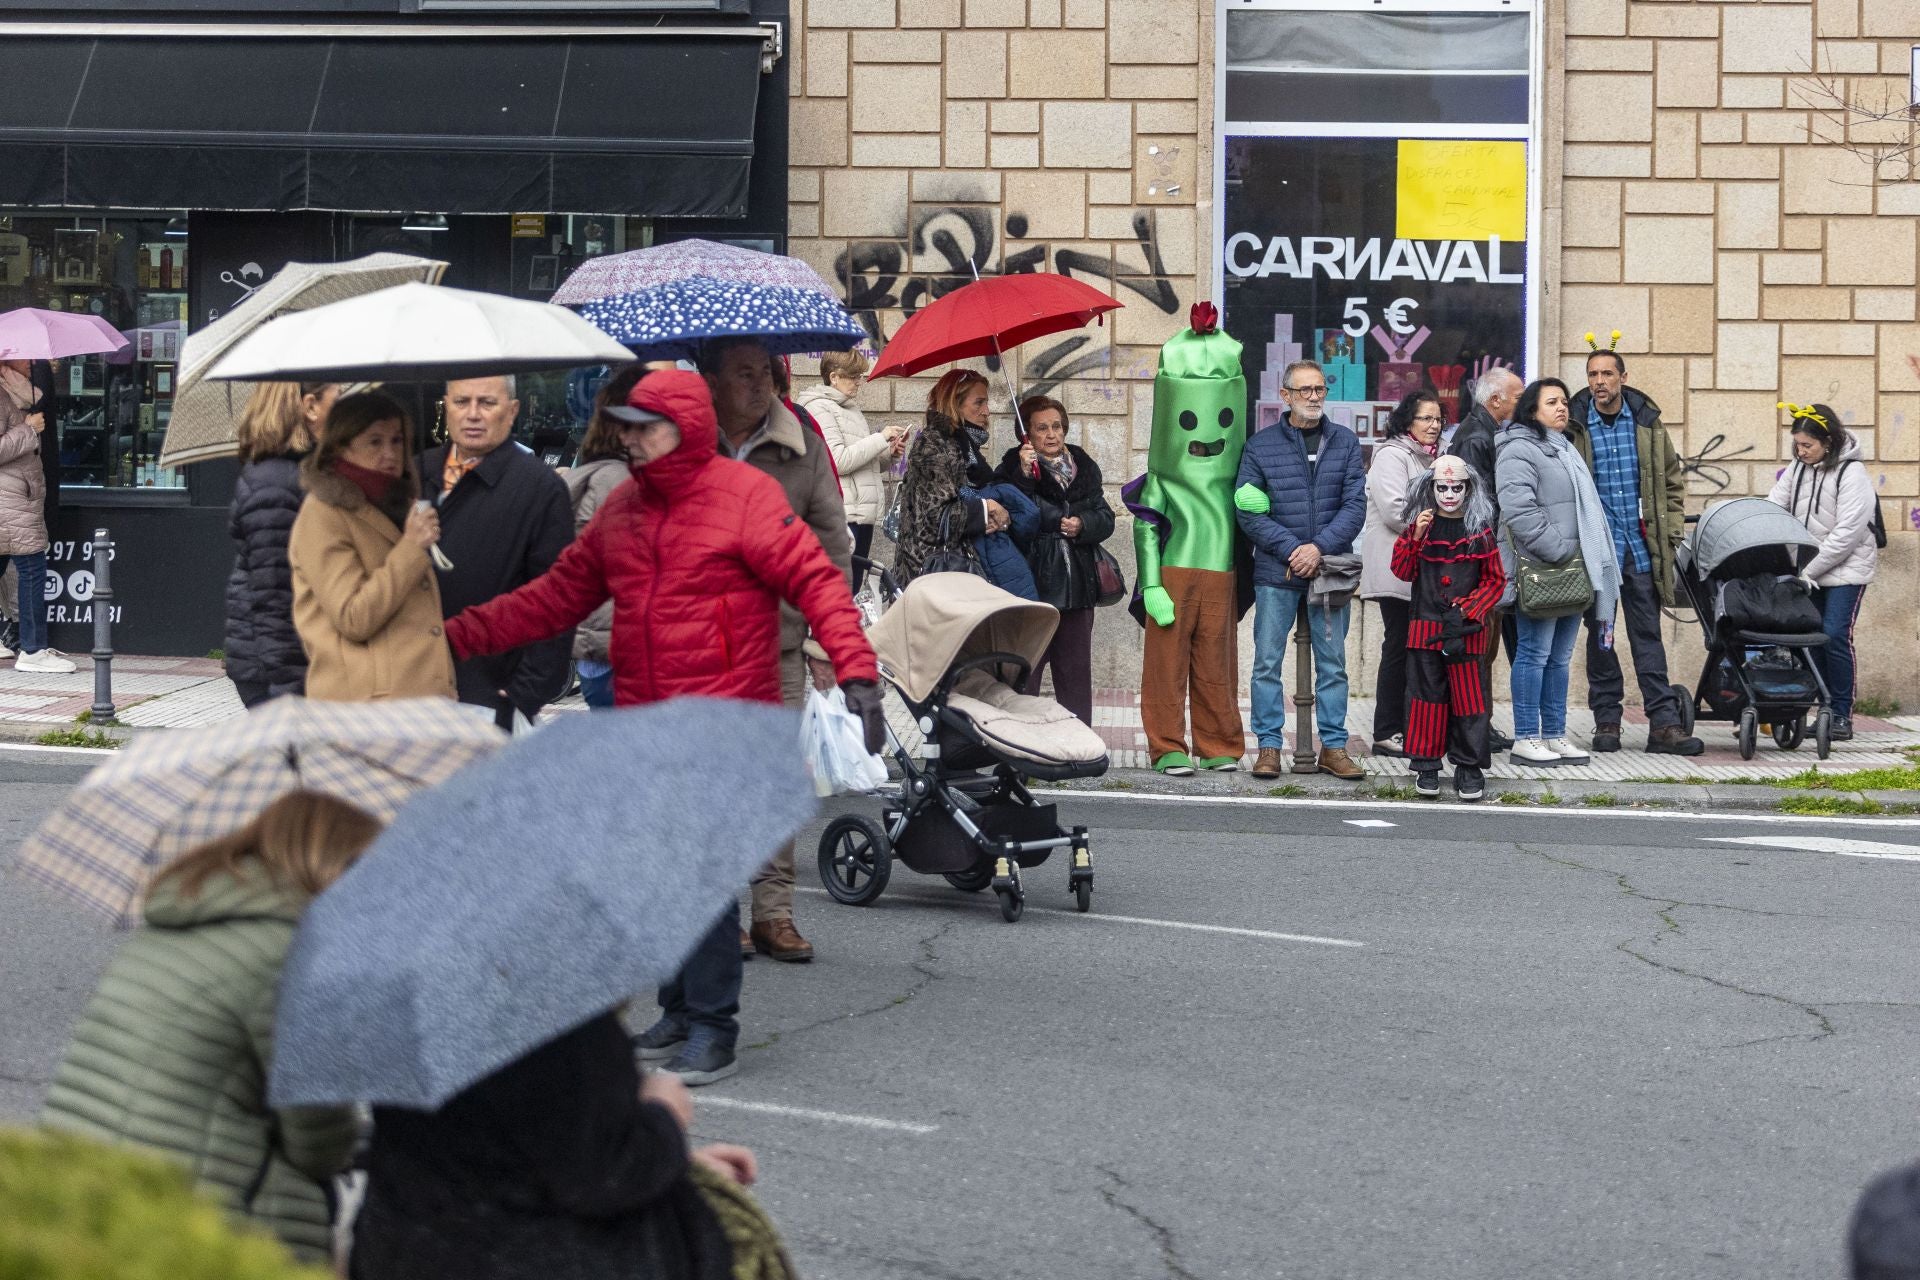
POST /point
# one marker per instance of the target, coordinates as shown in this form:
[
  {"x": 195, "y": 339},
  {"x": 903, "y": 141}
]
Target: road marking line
[
  {"x": 1230, "y": 930},
  {"x": 1828, "y": 844},
  {"x": 75, "y": 751},
  {"x": 1480, "y": 811},
  {"x": 1370, "y": 822},
  {"x": 705, "y": 1099}
]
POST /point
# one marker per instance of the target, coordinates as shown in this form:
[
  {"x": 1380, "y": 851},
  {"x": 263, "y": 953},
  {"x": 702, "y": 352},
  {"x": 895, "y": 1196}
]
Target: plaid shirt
[{"x": 1616, "y": 474}]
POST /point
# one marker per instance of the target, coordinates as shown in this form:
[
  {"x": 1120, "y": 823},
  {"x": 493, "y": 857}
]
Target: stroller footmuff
[
  {"x": 957, "y": 649},
  {"x": 1739, "y": 569}
]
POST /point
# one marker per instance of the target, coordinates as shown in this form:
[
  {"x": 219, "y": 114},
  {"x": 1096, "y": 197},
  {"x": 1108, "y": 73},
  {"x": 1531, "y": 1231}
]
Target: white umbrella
[
  {"x": 419, "y": 333},
  {"x": 206, "y": 414}
]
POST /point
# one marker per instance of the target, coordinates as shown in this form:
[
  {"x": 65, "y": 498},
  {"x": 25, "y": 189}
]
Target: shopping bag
[{"x": 834, "y": 745}]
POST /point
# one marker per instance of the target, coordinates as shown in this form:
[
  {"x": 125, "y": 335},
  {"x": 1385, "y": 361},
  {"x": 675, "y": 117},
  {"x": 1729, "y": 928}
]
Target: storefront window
[
  {"x": 1376, "y": 199},
  {"x": 133, "y": 274}
]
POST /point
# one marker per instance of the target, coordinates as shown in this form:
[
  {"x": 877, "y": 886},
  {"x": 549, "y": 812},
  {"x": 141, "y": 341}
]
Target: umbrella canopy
[
  {"x": 988, "y": 317},
  {"x": 418, "y": 333},
  {"x": 670, "y": 321},
  {"x": 205, "y": 414},
  {"x": 163, "y": 794},
  {"x": 535, "y": 891},
  {"x": 1747, "y": 535},
  {"x": 614, "y": 274},
  {"x": 29, "y": 333},
  {"x": 942, "y": 618}
]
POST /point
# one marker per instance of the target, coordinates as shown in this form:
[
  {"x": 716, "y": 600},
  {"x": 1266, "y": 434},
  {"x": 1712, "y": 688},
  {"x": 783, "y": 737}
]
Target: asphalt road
[{"x": 1565, "y": 1045}]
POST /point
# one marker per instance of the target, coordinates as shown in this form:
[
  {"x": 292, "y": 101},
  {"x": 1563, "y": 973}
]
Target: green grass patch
[
  {"x": 1600, "y": 800},
  {"x": 77, "y": 738},
  {"x": 1549, "y": 796},
  {"x": 1829, "y": 805},
  {"x": 218, "y": 655},
  {"x": 1878, "y": 708},
  {"x": 1287, "y": 791},
  {"x": 1392, "y": 791},
  {"x": 1513, "y": 797},
  {"x": 1905, "y": 777},
  {"x": 1116, "y": 784}
]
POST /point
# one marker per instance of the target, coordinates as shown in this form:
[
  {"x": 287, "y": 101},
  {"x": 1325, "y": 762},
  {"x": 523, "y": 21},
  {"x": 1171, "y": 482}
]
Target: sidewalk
[{"x": 171, "y": 693}]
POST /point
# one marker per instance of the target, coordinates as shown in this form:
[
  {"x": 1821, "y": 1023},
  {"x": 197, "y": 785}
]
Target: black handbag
[
  {"x": 1109, "y": 582},
  {"x": 954, "y": 557}
]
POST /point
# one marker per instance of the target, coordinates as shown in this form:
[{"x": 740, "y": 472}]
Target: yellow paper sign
[{"x": 1461, "y": 190}]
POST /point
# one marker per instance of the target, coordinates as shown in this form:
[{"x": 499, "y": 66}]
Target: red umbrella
[{"x": 987, "y": 317}]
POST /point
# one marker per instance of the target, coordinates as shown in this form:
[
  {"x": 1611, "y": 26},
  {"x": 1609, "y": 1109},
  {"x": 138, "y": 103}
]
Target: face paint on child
[{"x": 1451, "y": 478}]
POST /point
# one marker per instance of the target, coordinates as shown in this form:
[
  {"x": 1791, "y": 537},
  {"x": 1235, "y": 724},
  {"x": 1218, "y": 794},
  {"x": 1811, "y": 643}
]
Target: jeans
[
  {"x": 1390, "y": 683},
  {"x": 1540, "y": 675},
  {"x": 1839, "y": 606},
  {"x": 1606, "y": 686},
  {"x": 706, "y": 991},
  {"x": 32, "y": 571},
  {"x": 1274, "y": 612},
  {"x": 597, "y": 691}
]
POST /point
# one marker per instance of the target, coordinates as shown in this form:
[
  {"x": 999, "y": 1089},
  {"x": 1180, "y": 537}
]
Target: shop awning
[{"x": 653, "y": 122}]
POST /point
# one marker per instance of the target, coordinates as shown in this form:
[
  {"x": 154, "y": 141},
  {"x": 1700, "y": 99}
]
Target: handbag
[
  {"x": 1109, "y": 583},
  {"x": 954, "y": 557},
  {"x": 1544, "y": 590}
]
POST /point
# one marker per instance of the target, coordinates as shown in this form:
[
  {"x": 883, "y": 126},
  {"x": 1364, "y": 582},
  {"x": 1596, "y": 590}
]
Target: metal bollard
[
  {"x": 1306, "y": 759},
  {"x": 102, "y": 627}
]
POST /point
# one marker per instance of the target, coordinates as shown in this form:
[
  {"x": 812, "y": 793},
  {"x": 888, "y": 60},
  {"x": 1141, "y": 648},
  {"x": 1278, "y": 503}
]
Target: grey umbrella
[{"x": 533, "y": 891}]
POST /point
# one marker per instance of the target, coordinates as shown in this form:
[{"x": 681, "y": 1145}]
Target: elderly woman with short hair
[{"x": 861, "y": 452}]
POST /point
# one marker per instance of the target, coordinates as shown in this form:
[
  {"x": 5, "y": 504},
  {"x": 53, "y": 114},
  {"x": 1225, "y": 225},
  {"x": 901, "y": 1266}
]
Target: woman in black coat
[
  {"x": 276, "y": 430},
  {"x": 563, "y": 1165},
  {"x": 1074, "y": 519}
]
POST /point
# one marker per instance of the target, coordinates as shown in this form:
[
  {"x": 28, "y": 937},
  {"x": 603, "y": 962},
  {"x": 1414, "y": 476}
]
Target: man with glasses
[{"x": 1302, "y": 496}]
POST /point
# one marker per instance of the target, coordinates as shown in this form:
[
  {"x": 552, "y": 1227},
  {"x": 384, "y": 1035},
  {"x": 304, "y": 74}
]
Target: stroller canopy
[
  {"x": 1744, "y": 536},
  {"x": 944, "y": 618}
]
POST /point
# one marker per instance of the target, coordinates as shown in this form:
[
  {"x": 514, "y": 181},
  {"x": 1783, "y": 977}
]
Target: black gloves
[
  {"x": 863, "y": 699},
  {"x": 1454, "y": 632}
]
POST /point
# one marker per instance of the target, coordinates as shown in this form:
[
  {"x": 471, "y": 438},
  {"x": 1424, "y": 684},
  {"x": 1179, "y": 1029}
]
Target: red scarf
[{"x": 375, "y": 484}]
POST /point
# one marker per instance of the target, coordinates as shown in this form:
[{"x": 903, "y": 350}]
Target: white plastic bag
[{"x": 835, "y": 746}]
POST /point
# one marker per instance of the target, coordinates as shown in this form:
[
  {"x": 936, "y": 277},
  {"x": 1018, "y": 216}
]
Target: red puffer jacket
[{"x": 696, "y": 554}]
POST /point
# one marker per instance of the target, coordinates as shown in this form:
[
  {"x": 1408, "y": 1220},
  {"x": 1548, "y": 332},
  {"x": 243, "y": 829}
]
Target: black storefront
[{"x": 158, "y": 162}]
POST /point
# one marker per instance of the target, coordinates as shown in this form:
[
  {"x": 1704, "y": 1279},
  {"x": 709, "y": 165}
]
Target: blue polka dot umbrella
[
  {"x": 613, "y": 274},
  {"x": 669, "y": 321}
]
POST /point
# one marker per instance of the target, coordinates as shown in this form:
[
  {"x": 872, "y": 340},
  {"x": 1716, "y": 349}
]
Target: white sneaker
[
  {"x": 1568, "y": 751},
  {"x": 5, "y": 652},
  {"x": 1534, "y": 752},
  {"x": 48, "y": 661}
]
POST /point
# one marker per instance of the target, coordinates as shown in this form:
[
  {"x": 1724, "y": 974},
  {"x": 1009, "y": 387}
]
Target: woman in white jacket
[
  {"x": 1413, "y": 440},
  {"x": 860, "y": 453},
  {"x": 1828, "y": 490}
]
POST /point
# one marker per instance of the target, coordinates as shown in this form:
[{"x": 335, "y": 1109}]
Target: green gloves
[
  {"x": 1252, "y": 499},
  {"x": 1158, "y": 604}
]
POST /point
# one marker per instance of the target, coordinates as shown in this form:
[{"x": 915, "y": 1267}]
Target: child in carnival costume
[
  {"x": 1450, "y": 554},
  {"x": 1195, "y": 570}
]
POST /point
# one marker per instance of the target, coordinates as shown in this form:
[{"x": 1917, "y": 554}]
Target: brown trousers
[
  {"x": 1197, "y": 661},
  {"x": 773, "y": 883}
]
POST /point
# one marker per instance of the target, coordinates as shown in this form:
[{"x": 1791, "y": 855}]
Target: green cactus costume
[{"x": 1194, "y": 568}]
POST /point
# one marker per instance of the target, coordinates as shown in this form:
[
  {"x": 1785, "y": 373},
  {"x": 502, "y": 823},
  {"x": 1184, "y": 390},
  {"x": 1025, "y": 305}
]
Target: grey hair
[
  {"x": 1478, "y": 513},
  {"x": 513, "y": 383},
  {"x": 1487, "y": 385},
  {"x": 1286, "y": 379}
]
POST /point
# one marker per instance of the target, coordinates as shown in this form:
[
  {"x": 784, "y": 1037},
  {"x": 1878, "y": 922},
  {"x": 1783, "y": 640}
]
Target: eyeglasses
[
  {"x": 1428, "y": 417},
  {"x": 1312, "y": 393}
]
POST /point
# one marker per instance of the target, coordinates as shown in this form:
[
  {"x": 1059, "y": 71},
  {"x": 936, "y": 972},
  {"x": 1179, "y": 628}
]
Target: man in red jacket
[{"x": 696, "y": 555}]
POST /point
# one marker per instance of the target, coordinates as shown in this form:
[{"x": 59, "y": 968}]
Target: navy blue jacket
[{"x": 1328, "y": 512}]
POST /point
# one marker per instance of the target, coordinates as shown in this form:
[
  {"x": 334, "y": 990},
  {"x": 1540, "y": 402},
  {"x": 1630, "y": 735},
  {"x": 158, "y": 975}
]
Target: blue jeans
[
  {"x": 1540, "y": 675},
  {"x": 1839, "y": 606},
  {"x": 33, "y": 599},
  {"x": 1274, "y": 612},
  {"x": 706, "y": 991},
  {"x": 597, "y": 691}
]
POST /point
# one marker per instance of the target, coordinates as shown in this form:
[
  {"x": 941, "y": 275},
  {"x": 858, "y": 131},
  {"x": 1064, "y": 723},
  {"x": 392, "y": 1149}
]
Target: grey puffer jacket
[
  {"x": 23, "y": 483},
  {"x": 1538, "y": 504},
  {"x": 588, "y": 486}
]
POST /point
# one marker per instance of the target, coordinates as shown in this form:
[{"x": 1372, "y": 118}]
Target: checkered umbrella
[
  {"x": 615, "y": 274},
  {"x": 166, "y": 793}
]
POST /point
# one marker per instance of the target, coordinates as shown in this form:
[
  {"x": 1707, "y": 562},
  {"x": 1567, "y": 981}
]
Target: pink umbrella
[{"x": 30, "y": 333}]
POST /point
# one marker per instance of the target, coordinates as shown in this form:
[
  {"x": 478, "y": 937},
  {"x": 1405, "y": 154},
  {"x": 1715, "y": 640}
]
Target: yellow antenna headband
[
  {"x": 1807, "y": 413},
  {"x": 1593, "y": 343}
]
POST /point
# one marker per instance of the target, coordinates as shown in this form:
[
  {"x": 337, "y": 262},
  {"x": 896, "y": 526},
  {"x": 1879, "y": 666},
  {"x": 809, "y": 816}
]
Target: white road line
[
  {"x": 1370, "y": 822},
  {"x": 1828, "y": 844},
  {"x": 705, "y": 1099},
  {"x": 71, "y": 751},
  {"x": 1479, "y": 811}
]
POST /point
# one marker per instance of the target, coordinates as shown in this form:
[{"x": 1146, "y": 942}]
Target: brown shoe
[
  {"x": 1336, "y": 761},
  {"x": 779, "y": 939},
  {"x": 1269, "y": 763},
  {"x": 746, "y": 945}
]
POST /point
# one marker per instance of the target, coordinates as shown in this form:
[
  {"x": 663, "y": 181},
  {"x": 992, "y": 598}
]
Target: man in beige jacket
[{"x": 757, "y": 429}]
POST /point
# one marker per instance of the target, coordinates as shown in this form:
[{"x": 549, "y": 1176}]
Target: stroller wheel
[
  {"x": 1685, "y": 695},
  {"x": 1823, "y": 733},
  {"x": 973, "y": 880},
  {"x": 855, "y": 860},
  {"x": 1083, "y": 895},
  {"x": 1790, "y": 735},
  {"x": 1749, "y": 732},
  {"x": 1011, "y": 904}
]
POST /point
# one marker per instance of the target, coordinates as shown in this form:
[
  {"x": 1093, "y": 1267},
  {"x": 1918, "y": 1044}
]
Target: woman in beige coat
[{"x": 365, "y": 601}]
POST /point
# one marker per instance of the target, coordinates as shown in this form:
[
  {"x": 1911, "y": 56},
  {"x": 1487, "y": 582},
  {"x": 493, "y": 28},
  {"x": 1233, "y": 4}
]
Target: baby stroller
[
  {"x": 1739, "y": 569},
  {"x": 957, "y": 648}
]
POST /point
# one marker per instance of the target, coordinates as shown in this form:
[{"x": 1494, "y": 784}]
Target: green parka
[
  {"x": 172, "y": 1054},
  {"x": 1663, "y": 481}
]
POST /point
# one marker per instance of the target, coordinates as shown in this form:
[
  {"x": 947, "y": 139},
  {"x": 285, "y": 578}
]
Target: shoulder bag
[
  {"x": 954, "y": 557},
  {"x": 1544, "y": 590},
  {"x": 1110, "y": 583}
]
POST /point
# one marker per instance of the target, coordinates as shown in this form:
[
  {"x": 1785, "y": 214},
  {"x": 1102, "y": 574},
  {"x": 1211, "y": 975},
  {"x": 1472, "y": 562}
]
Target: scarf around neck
[
  {"x": 19, "y": 388},
  {"x": 1061, "y": 468},
  {"x": 377, "y": 485}
]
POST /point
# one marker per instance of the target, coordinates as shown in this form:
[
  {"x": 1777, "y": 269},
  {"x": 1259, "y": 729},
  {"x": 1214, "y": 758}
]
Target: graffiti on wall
[
  {"x": 1706, "y": 466},
  {"x": 949, "y": 246}
]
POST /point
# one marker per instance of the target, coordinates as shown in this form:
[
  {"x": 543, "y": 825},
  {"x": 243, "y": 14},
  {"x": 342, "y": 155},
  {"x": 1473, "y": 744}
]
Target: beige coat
[
  {"x": 859, "y": 450},
  {"x": 23, "y": 483},
  {"x": 364, "y": 600},
  {"x": 797, "y": 458}
]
